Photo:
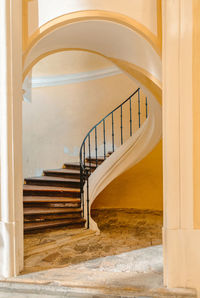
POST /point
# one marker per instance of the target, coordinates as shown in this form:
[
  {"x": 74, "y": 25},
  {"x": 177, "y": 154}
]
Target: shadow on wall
[{"x": 140, "y": 187}]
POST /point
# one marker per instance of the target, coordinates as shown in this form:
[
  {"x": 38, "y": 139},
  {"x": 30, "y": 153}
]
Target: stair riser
[
  {"x": 42, "y": 217},
  {"x": 71, "y": 167},
  {"x": 53, "y": 183},
  {"x": 70, "y": 226},
  {"x": 93, "y": 162},
  {"x": 48, "y": 193}
]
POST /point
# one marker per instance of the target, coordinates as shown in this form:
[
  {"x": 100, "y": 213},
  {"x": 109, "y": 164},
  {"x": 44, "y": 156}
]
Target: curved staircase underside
[
  {"x": 126, "y": 156},
  {"x": 55, "y": 198}
]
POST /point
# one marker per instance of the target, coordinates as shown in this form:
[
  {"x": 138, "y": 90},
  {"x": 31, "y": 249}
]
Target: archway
[
  {"x": 45, "y": 93},
  {"x": 156, "y": 70},
  {"x": 67, "y": 31},
  {"x": 180, "y": 221}
]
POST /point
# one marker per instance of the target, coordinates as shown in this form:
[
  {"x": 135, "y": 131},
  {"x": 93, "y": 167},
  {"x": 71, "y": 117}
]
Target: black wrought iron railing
[{"x": 107, "y": 135}]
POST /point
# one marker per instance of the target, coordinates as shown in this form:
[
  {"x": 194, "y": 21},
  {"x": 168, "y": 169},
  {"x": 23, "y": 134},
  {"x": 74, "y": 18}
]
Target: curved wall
[
  {"x": 69, "y": 62},
  {"x": 140, "y": 187},
  {"x": 105, "y": 37}
]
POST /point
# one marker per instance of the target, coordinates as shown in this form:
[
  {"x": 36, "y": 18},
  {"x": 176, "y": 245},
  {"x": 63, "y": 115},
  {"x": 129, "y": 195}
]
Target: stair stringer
[{"x": 126, "y": 156}]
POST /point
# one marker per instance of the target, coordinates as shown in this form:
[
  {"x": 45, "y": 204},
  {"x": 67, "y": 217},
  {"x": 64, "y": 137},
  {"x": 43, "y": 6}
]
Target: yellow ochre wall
[{"x": 140, "y": 187}]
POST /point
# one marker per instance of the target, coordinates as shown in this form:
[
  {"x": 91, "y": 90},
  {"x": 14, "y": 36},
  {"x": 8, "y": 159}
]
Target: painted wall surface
[
  {"x": 59, "y": 117},
  {"x": 69, "y": 62},
  {"x": 140, "y": 187},
  {"x": 33, "y": 16},
  {"x": 141, "y": 10},
  {"x": 11, "y": 197},
  {"x": 108, "y": 38},
  {"x": 196, "y": 111}
]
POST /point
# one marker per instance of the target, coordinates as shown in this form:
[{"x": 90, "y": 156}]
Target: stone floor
[
  {"x": 121, "y": 231},
  {"x": 137, "y": 273},
  {"x": 125, "y": 260}
]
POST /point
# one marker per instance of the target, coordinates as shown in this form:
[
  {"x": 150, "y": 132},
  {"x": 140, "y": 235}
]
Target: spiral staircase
[{"x": 63, "y": 197}]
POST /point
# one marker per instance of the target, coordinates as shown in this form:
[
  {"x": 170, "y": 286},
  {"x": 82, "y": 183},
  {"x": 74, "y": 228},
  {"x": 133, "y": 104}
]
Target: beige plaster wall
[
  {"x": 11, "y": 203},
  {"x": 59, "y": 117},
  {"x": 140, "y": 187},
  {"x": 141, "y": 10},
  {"x": 69, "y": 62},
  {"x": 33, "y": 16}
]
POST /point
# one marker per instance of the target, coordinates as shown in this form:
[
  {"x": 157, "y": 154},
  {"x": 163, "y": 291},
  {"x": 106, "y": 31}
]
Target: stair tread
[
  {"x": 53, "y": 199},
  {"x": 43, "y": 199},
  {"x": 50, "y": 216},
  {"x": 92, "y": 160},
  {"x": 49, "y": 178},
  {"x": 51, "y": 223},
  {"x": 100, "y": 158},
  {"x": 77, "y": 164},
  {"x": 50, "y": 188},
  {"x": 110, "y": 152},
  {"x": 39, "y": 210},
  {"x": 63, "y": 171}
]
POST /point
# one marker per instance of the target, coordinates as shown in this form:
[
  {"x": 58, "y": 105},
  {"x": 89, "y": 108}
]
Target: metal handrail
[
  {"x": 85, "y": 170},
  {"x": 108, "y": 116}
]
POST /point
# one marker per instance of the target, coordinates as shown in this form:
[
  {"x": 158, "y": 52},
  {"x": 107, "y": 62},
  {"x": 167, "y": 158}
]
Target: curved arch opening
[
  {"x": 103, "y": 35},
  {"x": 86, "y": 15},
  {"x": 116, "y": 87}
]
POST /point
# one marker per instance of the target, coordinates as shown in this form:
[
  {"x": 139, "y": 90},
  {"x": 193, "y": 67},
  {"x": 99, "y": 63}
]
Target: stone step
[
  {"x": 53, "y": 216},
  {"x": 35, "y": 190},
  {"x": 66, "y": 173},
  {"x": 71, "y": 223},
  {"x": 77, "y": 166},
  {"x": 38, "y": 199},
  {"x": 40, "y": 210},
  {"x": 53, "y": 181},
  {"x": 31, "y": 284},
  {"x": 92, "y": 160}
]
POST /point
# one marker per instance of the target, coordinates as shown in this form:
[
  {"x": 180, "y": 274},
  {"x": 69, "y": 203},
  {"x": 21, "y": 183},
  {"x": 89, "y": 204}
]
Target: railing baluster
[
  {"x": 104, "y": 139},
  {"x": 121, "y": 127},
  {"x": 85, "y": 171},
  {"x": 89, "y": 149},
  {"x": 88, "y": 205},
  {"x": 84, "y": 154},
  {"x": 113, "y": 134},
  {"x": 96, "y": 148},
  {"x": 139, "y": 106},
  {"x": 81, "y": 180},
  {"x": 130, "y": 118},
  {"x": 146, "y": 108},
  {"x": 82, "y": 202}
]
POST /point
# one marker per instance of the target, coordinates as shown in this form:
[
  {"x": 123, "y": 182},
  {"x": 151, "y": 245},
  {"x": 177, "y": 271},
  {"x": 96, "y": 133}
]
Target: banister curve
[
  {"x": 108, "y": 115},
  {"x": 87, "y": 162}
]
